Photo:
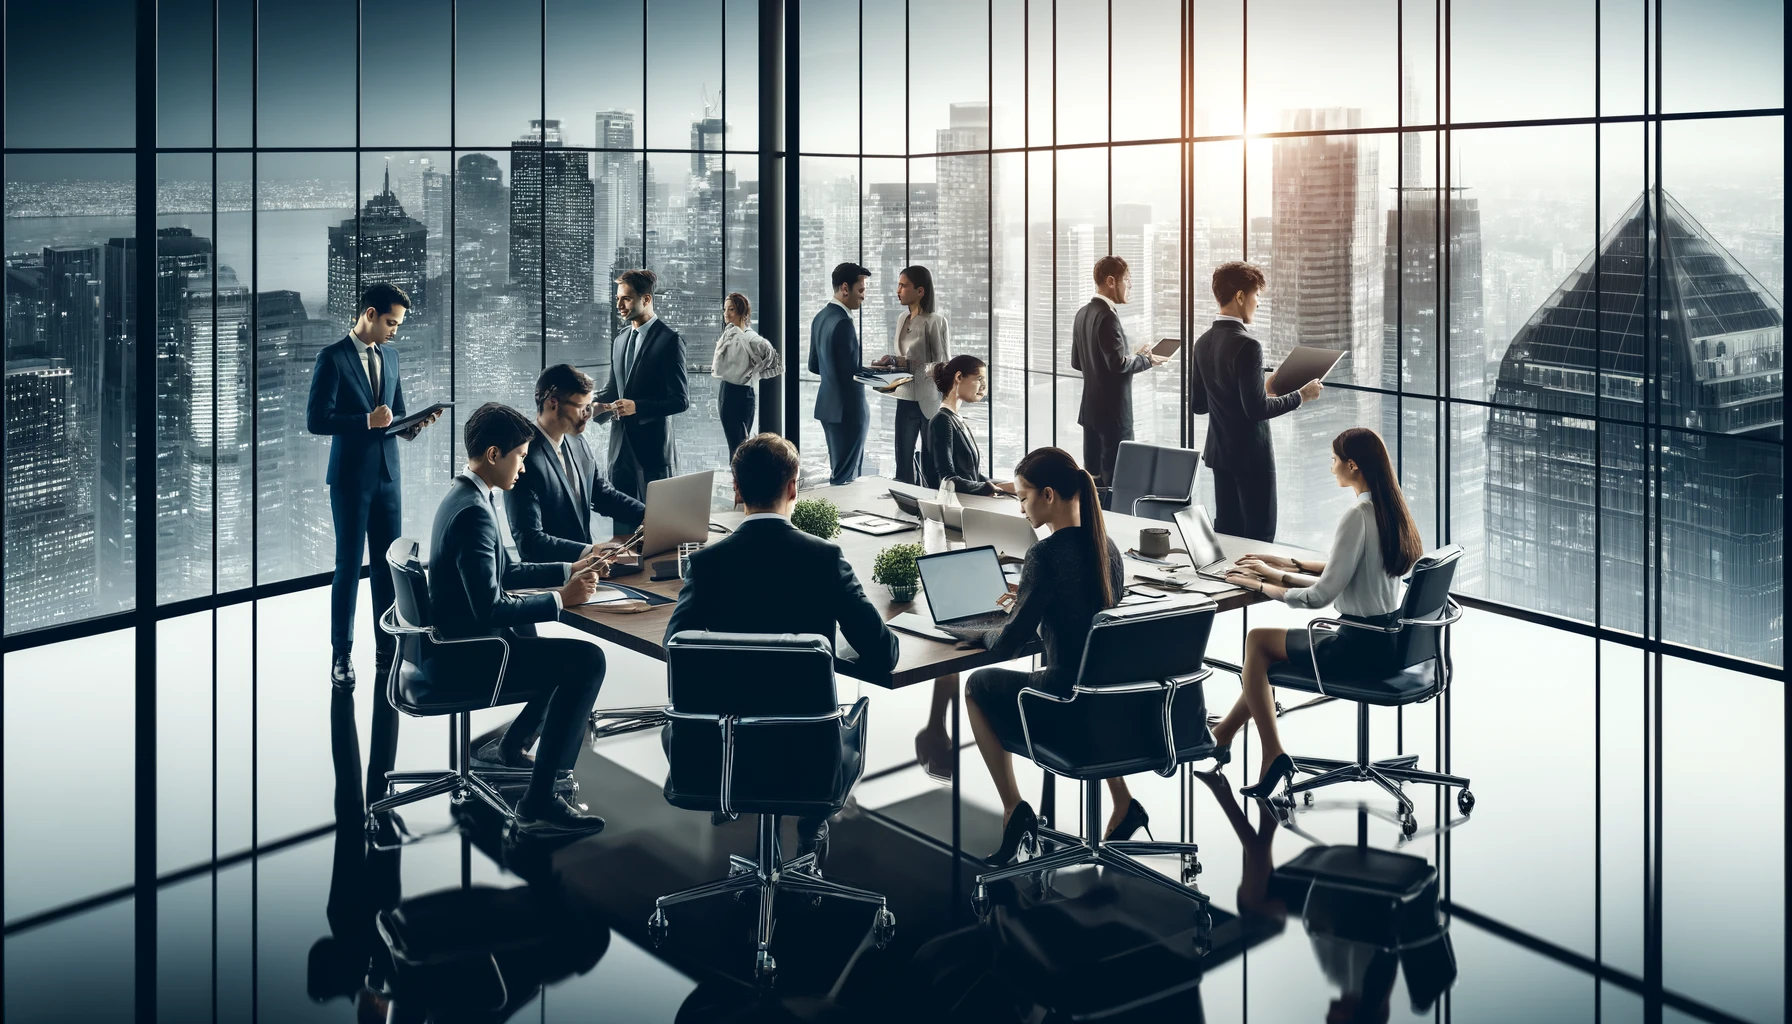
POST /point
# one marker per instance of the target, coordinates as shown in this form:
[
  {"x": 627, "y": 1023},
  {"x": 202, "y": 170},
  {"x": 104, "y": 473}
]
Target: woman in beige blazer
[{"x": 921, "y": 341}]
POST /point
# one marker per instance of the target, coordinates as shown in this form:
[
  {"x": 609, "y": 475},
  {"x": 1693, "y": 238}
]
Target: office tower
[
  {"x": 551, "y": 195},
  {"x": 49, "y": 536},
  {"x": 617, "y": 200},
  {"x": 217, "y": 456},
  {"x": 383, "y": 244},
  {"x": 886, "y": 252},
  {"x": 707, "y": 137},
  {"x": 1077, "y": 247},
  {"x": 295, "y": 534},
  {"x": 435, "y": 207},
  {"x": 963, "y": 269},
  {"x": 1718, "y": 358},
  {"x": 72, "y": 282},
  {"x": 27, "y": 320},
  {"x": 481, "y": 225},
  {"x": 1413, "y": 301}
]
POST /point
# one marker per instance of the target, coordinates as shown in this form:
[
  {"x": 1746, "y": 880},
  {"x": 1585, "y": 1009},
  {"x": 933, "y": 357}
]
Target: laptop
[
  {"x": 1010, "y": 535},
  {"x": 908, "y": 503},
  {"x": 677, "y": 511},
  {"x": 951, "y": 516},
  {"x": 965, "y": 590},
  {"x": 1201, "y": 543}
]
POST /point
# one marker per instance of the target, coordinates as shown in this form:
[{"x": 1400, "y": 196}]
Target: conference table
[{"x": 922, "y": 659}]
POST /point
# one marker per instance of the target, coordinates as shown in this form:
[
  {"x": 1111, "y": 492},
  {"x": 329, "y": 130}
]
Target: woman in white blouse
[
  {"x": 1376, "y": 544},
  {"x": 922, "y": 338},
  {"x": 742, "y": 360}
]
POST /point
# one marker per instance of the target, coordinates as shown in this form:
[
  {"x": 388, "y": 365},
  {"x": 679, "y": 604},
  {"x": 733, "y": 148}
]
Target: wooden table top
[{"x": 922, "y": 659}]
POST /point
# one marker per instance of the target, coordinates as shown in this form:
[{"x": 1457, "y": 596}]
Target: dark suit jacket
[
  {"x": 835, "y": 355},
  {"x": 770, "y": 577},
  {"x": 547, "y": 524},
  {"x": 1098, "y": 348},
  {"x": 1227, "y": 388},
  {"x": 658, "y": 387},
  {"x": 949, "y": 450},
  {"x": 341, "y": 398},
  {"x": 469, "y": 572}
]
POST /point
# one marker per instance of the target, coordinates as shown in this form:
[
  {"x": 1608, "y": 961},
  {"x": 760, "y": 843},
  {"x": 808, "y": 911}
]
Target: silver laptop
[
  {"x": 1202, "y": 543},
  {"x": 952, "y": 516},
  {"x": 677, "y": 511},
  {"x": 1010, "y": 535},
  {"x": 965, "y": 590}
]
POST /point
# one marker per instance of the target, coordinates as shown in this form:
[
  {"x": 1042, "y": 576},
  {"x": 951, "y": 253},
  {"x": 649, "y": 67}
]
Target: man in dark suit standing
[
  {"x": 836, "y": 356},
  {"x": 355, "y": 396},
  {"x": 770, "y": 577},
  {"x": 1099, "y": 349},
  {"x": 550, "y": 507},
  {"x": 470, "y": 576},
  {"x": 1227, "y": 386},
  {"x": 647, "y": 388}
]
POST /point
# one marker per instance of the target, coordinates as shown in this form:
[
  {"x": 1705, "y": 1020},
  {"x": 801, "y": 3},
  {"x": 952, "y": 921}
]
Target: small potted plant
[
  {"x": 817, "y": 517},
  {"x": 895, "y": 568}
]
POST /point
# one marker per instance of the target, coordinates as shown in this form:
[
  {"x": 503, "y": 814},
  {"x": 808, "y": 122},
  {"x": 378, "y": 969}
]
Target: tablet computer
[
  {"x": 1302, "y": 366},
  {"x": 1167, "y": 347},
  {"x": 399, "y": 426}
]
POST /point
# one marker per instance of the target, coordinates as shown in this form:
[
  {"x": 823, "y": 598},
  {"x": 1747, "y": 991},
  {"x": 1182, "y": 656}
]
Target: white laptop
[
  {"x": 1010, "y": 535},
  {"x": 950, "y": 515},
  {"x": 965, "y": 589},
  {"x": 677, "y": 511}
]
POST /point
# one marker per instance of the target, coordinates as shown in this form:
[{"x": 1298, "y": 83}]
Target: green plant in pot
[
  {"x": 895, "y": 568},
  {"x": 817, "y": 517}
]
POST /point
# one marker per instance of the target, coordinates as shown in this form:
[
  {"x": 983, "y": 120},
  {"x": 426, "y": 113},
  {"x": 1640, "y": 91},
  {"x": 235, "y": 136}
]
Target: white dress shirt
[
  {"x": 1354, "y": 581},
  {"x": 368, "y": 354}
]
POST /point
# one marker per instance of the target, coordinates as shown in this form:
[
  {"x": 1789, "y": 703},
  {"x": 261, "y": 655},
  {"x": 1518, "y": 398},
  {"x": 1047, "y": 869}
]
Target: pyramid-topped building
[{"x": 1661, "y": 299}]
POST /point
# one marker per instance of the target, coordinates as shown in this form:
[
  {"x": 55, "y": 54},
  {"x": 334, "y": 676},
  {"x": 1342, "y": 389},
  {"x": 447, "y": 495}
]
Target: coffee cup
[{"x": 1154, "y": 542}]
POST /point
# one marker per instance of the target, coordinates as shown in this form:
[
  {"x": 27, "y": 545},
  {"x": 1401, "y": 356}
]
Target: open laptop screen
[
  {"x": 1198, "y": 537},
  {"x": 962, "y": 584}
]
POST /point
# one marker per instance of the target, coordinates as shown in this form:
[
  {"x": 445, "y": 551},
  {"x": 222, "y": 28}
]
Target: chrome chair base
[{"x": 1389, "y": 773}]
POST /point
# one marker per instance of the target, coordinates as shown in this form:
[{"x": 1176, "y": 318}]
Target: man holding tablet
[{"x": 1227, "y": 385}]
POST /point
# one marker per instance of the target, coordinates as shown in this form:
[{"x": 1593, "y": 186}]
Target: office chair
[
  {"x": 753, "y": 728},
  {"x": 1153, "y": 481},
  {"x": 1423, "y": 648},
  {"x": 1137, "y": 705},
  {"x": 412, "y": 691}
]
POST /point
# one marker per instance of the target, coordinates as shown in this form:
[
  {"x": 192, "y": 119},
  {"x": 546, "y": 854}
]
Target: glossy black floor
[{"x": 496, "y": 932}]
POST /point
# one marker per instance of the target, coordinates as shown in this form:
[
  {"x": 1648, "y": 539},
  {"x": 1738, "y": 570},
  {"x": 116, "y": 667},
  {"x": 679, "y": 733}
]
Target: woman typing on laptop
[
  {"x": 1376, "y": 544},
  {"x": 1067, "y": 578},
  {"x": 948, "y": 449}
]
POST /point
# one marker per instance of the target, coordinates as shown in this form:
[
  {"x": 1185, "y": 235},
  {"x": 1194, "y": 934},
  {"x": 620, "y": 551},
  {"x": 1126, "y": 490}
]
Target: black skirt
[{"x": 1349, "y": 653}]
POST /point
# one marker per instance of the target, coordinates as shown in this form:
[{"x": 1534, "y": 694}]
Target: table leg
[{"x": 957, "y": 849}]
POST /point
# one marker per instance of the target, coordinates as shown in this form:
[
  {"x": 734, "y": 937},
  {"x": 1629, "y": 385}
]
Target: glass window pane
[
  {"x": 1312, "y": 55},
  {"x": 740, "y": 57},
  {"x": 1722, "y": 55},
  {"x": 1489, "y": 42},
  {"x": 185, "y": 35},
  {"x": 1308, "y": 497},
  {"x": 306, "y": 94},
  {"x": 50, "y": 103},
  {"x": 497, "y": 71},
  {"x": 497, "y": 289},
  {"x": 1080, "y": 71},
  {"x": 1722, "y": 531},
  {"x": 1147, "y": 69},
  {"x": 961, "y": 262},
  {"x": 948, "y": 72},
  {"x": 828, "y": 235},
  {"x": 684, "y": 74},
  {"x": 891, "y": 240},
  {"x": 1040, "y": 271},
  {"x": 598, "y": 101},
  {"x": 1625, "y": 62},
  {"x": 1416, "y": 451},
  {"x": 1008, "y": 56},
  {"x": 1008, "y": 312},
  {"x": 883, "y": 112},
  {"x": 829, "y": 79},
  {"x": 1042, "y": 82},
  {"x": 1218, "y": 96},
  {"x": 68, "y": 345},
  {"x": 236, "y": 72},
  {"x": 1147, "y": 235},
  {"x": 407, "y": 58},
  {"x": 1538, "y": 498}
]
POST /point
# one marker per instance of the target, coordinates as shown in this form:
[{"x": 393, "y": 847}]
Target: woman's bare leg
[
  {"x": 1263, "y": 647},
  {"x": 995, "y": 757},
  {"x": 933, "y": 744},
  {"x": 1120, "y": 800}
]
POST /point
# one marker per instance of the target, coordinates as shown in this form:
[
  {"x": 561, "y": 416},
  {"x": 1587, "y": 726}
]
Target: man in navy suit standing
[
  {"x": 648, "y": 386},
  {"x": 355, "y": 396},
  {"x": 836, "y": 356}
]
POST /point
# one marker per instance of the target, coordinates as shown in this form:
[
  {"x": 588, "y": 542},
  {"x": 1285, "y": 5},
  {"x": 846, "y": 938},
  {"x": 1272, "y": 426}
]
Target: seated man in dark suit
[
  {"x": 469, "y": 576},
  {"x": 550, "y": 506},
  {"x": 770, "y": 577}
]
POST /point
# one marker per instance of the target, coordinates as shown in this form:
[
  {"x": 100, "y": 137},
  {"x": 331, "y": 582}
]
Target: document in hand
[
  {"x": 1303, "y": 365},
  {"x": 884, "y": 381}
]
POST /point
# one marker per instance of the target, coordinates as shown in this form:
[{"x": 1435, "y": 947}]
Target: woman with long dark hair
[
  {"x": 922, "y": 339},
  {"x": 1376, "y": 544},
  {"x": 1067, "y": 578}
]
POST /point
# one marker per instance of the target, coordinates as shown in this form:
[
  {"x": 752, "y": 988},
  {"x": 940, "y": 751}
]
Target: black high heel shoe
[
  {"x": 1135, "y": 819},
  {"x": 1222, "y": 756},
  {"x": 1279, "y": 769},
  {"x": 1022, "y": 824}
]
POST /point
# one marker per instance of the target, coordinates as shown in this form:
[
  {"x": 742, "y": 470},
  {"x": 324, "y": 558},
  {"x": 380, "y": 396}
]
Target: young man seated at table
[{"x": 770, "y": 577}]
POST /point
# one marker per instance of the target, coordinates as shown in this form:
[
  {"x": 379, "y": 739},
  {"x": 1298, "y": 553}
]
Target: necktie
[
  {"x": 628, "y": 353},
  {"x": 572, "y": 473},
  {"x": 373, "y": 373}
]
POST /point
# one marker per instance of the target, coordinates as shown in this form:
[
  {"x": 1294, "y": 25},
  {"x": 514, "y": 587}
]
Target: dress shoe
[
  {"x": 1134, "y": 819},
  {"x": 1279, "y": 770},
  {"x": 492, "y": 754},
  {"x": 559, "y": 819},
  {"x": 1022, "y": 825},
  {"x": 342, "y": 672}
]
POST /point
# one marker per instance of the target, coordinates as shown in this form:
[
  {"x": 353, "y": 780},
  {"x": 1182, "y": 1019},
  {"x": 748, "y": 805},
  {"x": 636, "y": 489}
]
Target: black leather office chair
[
  {"x": 753, "y": 728},
  {"x": 1137, "y": 705},
  {"x": 1423, "y": 631},
  {"x": 411, "y": 690},
  {"x": 1153, "y": 481}
]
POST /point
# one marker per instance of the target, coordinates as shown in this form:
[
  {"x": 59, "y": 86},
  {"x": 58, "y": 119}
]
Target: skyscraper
[
  {"x": 481, "y": 225},
  {"x": 72, "y": 285},
  {"x": 1716, "y": 353},
  {"x": 434, "y": 187},
  {"x": 964, "y": 226},
  {"x": 294, "y": 513},
  {"x": 383, "y": 245},
  {"x": 551, "y": 197},
  {"x": 49, "y": 537},
  {"x": 617, "y": 194}
]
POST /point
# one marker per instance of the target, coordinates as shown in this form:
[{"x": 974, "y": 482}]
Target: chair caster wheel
[
  {"x": 765, "y": 969},
  {"x": 658, "y": 926},
  {"x": 980, "y": 904},
  {"x": 1191, "y": 869},
  {"x": 373, "y": 824},
  {"x": 1307, "y": 798},
  {"x": 460, "y": 795},
  {"x": 883, "y": 928},
  {"x": 1465, "y": 801},
  {"x": 1408, "y": 824}
]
